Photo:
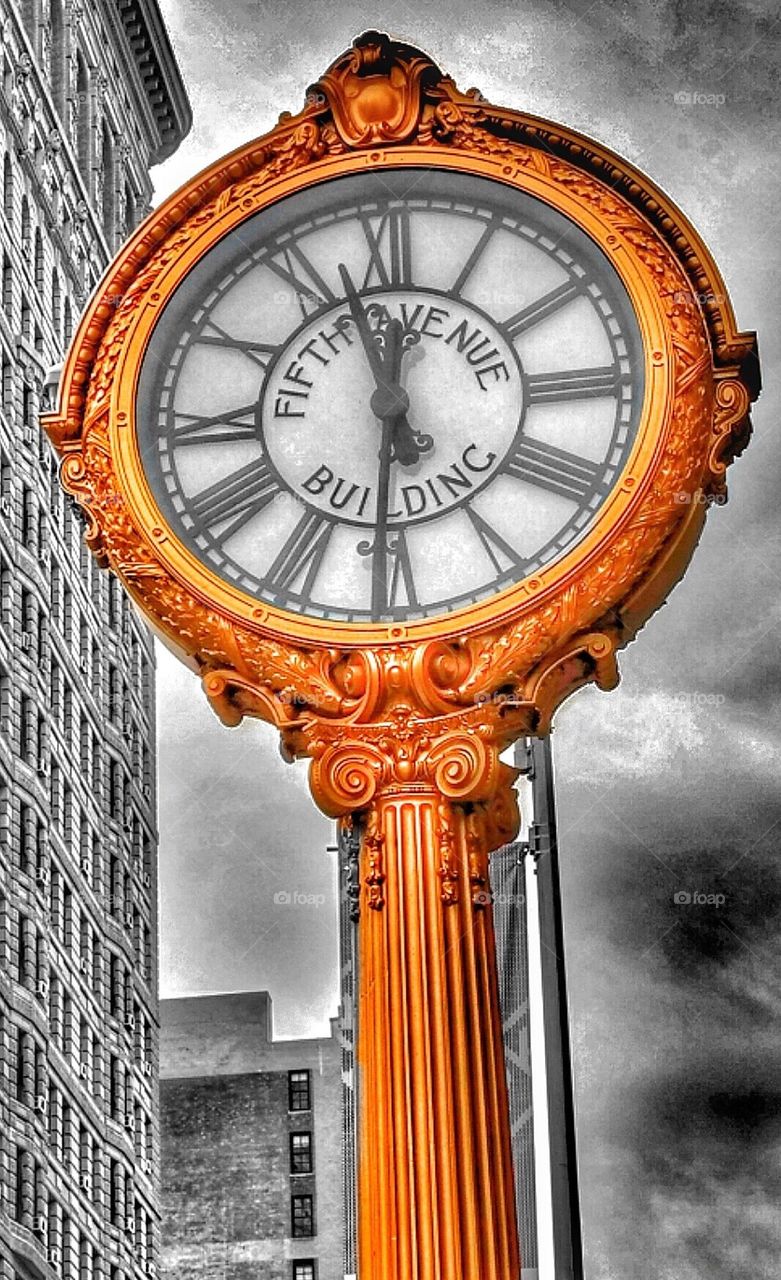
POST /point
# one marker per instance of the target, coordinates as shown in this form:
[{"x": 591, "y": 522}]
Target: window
[
  {"x": 26, "y": 234},
  {"x": 84, "y": 123},
  {"x": 38, "y": 266},
  {"x": 300, "y": 1153},
  {"x": 299, "y": 1091},
  {"x": 107, "y": 165},
  {"x": 8, "y": 286},
  {"x": 28, "y": 731},
  {"x": 304, "y": 1269},
  {"x": 130, "y": 215},
  {"x": 8, "y": 188},
  {"x": 302, "y": 1222},
  {"x": 29, "y": 519},
  {"x": 56, "y": 303},
  {"x": 7, "y": 386},
  {"x": 58, "y": 56}
]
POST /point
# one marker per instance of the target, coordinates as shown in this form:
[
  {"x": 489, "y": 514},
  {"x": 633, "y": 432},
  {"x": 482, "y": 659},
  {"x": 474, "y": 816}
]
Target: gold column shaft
[{"x": 435, "y": 1185}]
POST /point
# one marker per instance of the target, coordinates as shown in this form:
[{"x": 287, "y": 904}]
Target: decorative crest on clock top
[{"x": 423, "y": 708}]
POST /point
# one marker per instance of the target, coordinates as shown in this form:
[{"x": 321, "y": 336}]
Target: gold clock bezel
[
  {"x": 383, "y": 104},
  {"x": 510, "y": 603}
]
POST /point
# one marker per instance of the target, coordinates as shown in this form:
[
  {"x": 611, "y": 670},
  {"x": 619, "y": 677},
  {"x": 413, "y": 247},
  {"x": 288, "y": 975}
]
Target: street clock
[{"x": 398, "y": 423}]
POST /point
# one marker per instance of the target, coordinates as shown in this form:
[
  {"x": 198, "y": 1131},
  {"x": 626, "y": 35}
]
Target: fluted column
[{"x": 435, "y": 1186}]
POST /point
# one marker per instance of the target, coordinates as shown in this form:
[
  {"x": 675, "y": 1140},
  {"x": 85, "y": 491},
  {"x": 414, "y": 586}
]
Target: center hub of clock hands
[{"x": 385, "y": 345}]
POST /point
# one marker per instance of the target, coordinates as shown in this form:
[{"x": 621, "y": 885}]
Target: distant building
[
  {"x": 251, "y": 1145},
  {"x": 510, "y": 923},
  {"x": 90, "y": 98}
]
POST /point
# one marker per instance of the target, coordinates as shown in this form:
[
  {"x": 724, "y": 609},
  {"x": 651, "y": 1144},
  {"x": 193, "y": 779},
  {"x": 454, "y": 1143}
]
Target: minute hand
[{"x": 365, "y": 333}]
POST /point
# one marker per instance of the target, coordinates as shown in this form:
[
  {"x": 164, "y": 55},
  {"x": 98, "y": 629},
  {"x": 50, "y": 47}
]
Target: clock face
[{"x": 390, "y": 395}]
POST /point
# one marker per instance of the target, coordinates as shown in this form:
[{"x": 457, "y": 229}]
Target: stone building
[
  {"x": 90, "y": 98},
  {"x": 251, "y": 1132}
]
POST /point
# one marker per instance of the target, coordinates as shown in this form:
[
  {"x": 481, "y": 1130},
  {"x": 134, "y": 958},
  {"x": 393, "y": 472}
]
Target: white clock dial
[{"x": 388, "y": 399}]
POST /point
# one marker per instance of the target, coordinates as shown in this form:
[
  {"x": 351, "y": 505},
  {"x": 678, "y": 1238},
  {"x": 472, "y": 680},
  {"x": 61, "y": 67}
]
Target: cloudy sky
[{"x": 668, "y": 786}]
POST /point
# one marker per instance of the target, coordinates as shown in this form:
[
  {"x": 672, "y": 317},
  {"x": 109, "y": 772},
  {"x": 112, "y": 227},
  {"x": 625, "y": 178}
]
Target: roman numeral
[
  {"x": 298, "y": 563},
  {"x": 390, "y": 262},
  {"x": 473, "y": 258},
  {"x": 213, "y": 335},
  {"x": 499, "y": 552},
  {"x": 238, "y": 424},
  {"x": 575, "y": 384},
  {"x": 539, "y": 310},
  {"x": 235, "y": 499},
  {"x": 401, "y": 575},
  {"x": 555, "y": 469},
  {"x": 310, "y": 288}
]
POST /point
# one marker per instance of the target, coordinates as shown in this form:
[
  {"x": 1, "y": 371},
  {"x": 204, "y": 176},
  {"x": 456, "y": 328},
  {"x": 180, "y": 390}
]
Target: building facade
[
  {"x": 251, "y": 1134},
  {"x": 508, "y": 887},
  {"x": 90, "y": 98}
]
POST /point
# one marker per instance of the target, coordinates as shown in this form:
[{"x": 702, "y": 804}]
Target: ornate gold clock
[{"x": 408, "y": 418}]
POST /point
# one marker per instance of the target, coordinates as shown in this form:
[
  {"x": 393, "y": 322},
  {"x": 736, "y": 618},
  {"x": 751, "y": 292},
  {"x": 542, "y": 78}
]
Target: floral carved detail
[
  {"x": 374, "y": 90},
  {"x": 477, "y": 858},
  {"x": 448, "y": 872},
  {"x": 373, "y": 844}
]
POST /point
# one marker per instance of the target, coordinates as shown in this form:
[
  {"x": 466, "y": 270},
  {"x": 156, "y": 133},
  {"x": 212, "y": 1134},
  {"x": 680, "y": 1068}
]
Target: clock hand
[
  {"x": 365, "y": 332},
  {"x": 385, "y": 358}
]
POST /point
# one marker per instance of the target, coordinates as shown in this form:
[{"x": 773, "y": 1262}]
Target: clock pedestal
[{"x": 435, "y": 1181}]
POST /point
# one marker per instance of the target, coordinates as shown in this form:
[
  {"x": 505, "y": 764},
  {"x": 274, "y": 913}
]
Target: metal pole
[{"x": 543, "y": 845}]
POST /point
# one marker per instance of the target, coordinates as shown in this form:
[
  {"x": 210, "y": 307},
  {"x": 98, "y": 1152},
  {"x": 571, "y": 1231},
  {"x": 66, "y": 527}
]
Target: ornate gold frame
[{"x": 367, "y": 112}]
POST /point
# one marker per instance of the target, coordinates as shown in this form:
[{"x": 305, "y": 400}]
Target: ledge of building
[{"x": 159, "y": 73}]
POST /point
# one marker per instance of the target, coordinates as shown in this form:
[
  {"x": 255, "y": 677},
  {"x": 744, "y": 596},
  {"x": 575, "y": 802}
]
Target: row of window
[
  {"x": 73, "y": 1143},
  {"x": 302, "y": 1216},
  {"x": 24, "y": 836},
  {"x": 79, "y": 938},
  {"x": 69, "y": 1249},
  {"x": 34, "y": 748},
  {"x": 25, "y": 952},
  {"x": 109, "y": 599},
  {"x": 33, "y": 620},
  {"x": 109, "y": 181},
  {"x": 60, "y": 313},
  {"x": 76, "y": 1146}
]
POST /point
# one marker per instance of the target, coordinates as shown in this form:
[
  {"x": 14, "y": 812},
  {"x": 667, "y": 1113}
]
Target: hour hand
[{"x": 407, "y": 444}]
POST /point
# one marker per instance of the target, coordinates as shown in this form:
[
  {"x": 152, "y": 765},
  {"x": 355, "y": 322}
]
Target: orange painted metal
[{"x": 435, "y": 1189}]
